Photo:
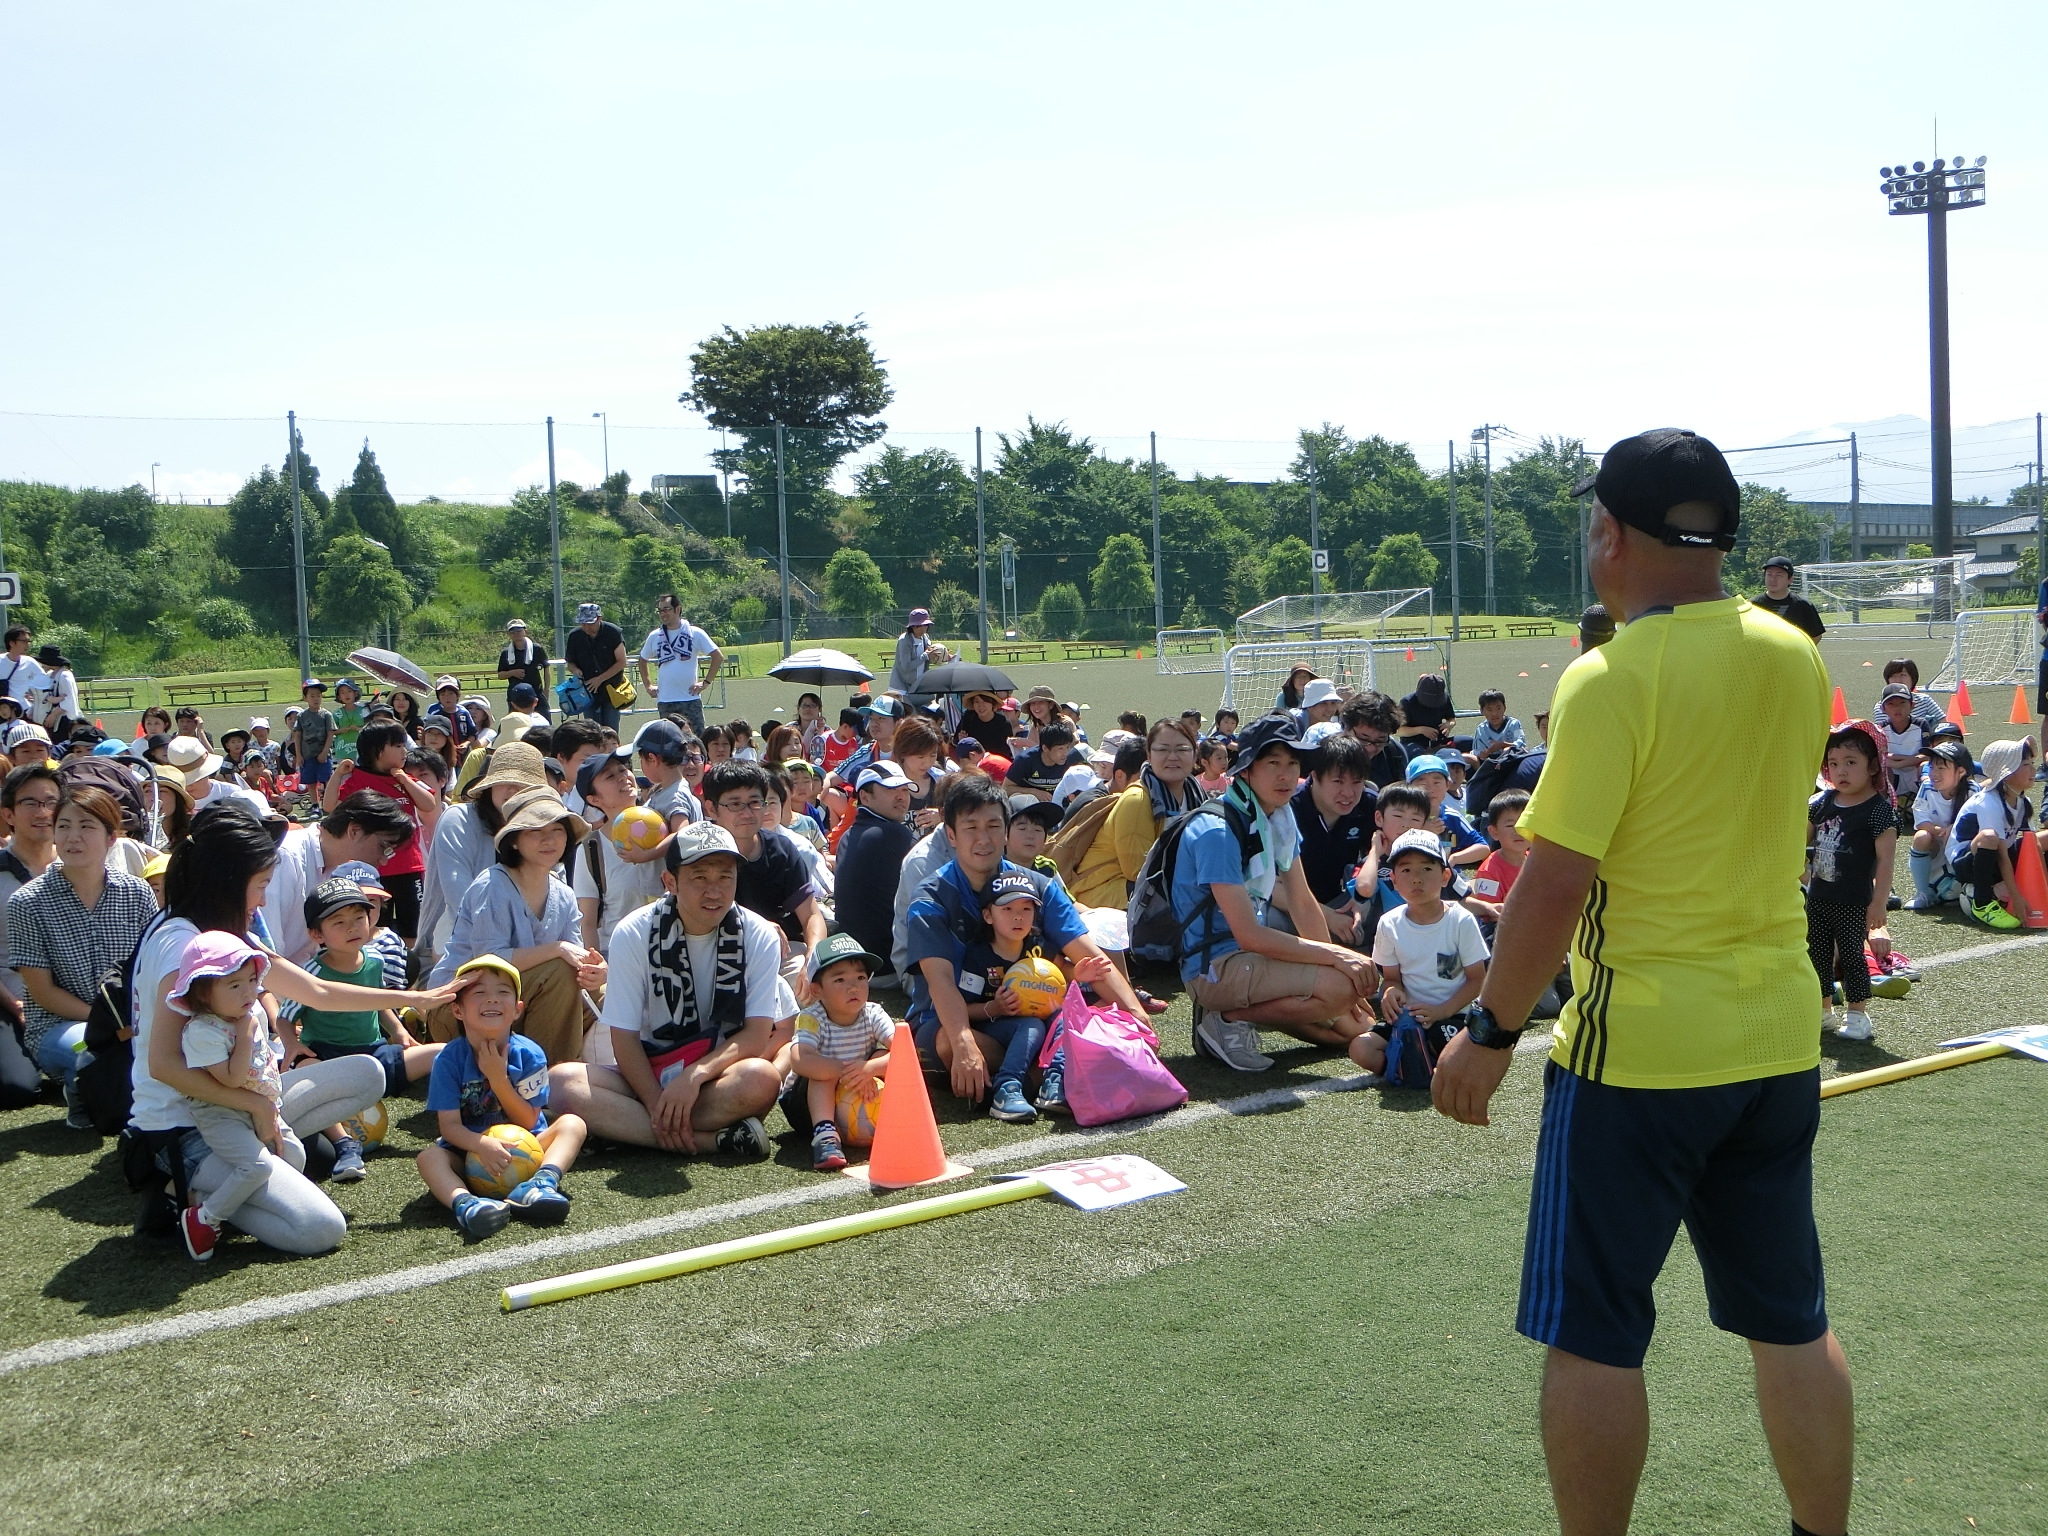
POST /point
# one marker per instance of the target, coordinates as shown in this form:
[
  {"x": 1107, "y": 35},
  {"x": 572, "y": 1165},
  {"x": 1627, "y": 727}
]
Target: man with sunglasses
[
  {"x": 366, "y": 826},
  {"x": 687, "y": 660}
]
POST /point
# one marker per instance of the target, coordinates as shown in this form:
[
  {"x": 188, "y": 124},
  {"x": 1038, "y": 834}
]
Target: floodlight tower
[{"x": 1932, "y": 192}]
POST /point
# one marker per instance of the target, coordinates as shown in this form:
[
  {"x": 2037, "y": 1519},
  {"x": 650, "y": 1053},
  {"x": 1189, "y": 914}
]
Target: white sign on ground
[
  {"x": 2027, "y": 1039},
  {"x": 1097, "y": 1183}
]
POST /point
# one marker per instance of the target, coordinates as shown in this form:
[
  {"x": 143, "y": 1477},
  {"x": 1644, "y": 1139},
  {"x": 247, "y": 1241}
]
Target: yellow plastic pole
[
  {"x": 1851, "y": 1081},
  {"x": 538, "y": 1293}
]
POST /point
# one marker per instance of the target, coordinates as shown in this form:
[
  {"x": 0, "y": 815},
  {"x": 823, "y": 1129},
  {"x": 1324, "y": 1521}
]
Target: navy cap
[{"x": 1269, "y": 731}]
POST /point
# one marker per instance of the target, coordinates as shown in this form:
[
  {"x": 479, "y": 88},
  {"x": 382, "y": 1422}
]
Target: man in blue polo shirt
[{"x": 945, "y": 919}]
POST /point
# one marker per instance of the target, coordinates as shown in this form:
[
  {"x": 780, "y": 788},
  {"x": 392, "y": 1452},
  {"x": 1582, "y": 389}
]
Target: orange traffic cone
[
  {"x": 907, "y": 1149},
  {"x": 1411, "y": 653},
  {"x": 1575, "y": 642},
  {"x": 1954, "y": 714},
  {"x": 2032, "y": 879},
  {"x": 2020, "y": 715},
  {"x": 1141, "y": 653},
  {"x": 1963, "y": 696},
  {"x": 1841, "y": 710}
]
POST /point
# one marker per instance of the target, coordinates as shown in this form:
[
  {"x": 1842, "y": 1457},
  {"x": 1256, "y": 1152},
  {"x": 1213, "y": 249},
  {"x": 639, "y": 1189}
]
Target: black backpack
[
  {"x": 1156, "y": 931},
  {"x": 105, "y": 1085}
]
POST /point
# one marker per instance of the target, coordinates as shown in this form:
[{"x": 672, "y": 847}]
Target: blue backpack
[{"x": 1408, "y": 1064}]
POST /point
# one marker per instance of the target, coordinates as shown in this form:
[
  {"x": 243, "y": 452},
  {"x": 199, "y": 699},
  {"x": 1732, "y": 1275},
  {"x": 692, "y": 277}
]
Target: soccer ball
[
  {"x": 526, "y": 1159},
  {"x": 369, "y": 1127},
  {"x": 637, "y": 827},
  {"x": 856, "y": 1110},
  {"x": 1039, "y": 986}
]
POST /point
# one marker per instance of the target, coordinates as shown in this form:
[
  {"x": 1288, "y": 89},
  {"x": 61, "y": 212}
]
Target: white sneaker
[
  {"x": 1235, "y": 1045},
  {"x": 1829, "y": 1020},
  {"x": 1855, "y": 1025}
]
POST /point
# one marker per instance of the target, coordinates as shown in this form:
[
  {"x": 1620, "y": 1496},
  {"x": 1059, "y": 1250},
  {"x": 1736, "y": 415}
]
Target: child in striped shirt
[{"x": 841, "y": 1049}]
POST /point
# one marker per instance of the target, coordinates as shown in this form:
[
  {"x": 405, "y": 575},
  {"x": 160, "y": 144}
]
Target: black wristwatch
[{"x": 1485, "y": 1029}]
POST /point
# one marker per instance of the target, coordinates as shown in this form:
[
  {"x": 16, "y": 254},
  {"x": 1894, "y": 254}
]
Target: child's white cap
[{"x": 1415, "y": 840}]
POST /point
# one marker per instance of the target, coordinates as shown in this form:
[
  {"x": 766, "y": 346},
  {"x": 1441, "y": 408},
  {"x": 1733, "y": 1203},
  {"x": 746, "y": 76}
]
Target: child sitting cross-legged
[
  {"x": 227, "y": 1034},
  {"x": 340, "y": 914},
  {"x": 490, "y": 1075},
  {"x": 841, "y": 1049},
  {"x": 1429, "y": 953}
]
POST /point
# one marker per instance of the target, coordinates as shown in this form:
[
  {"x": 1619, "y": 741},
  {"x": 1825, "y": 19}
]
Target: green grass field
[{"x": 1317, "y": 1335}]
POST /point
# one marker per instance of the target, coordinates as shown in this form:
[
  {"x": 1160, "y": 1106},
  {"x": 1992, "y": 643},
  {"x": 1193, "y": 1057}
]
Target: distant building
[
  {"x": 1881, "y": 530},
  {"x": 1996, "y": 550}
]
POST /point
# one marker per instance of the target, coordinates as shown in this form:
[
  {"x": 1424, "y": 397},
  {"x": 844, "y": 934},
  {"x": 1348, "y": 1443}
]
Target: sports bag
[
  {"x": 1157, "y": 933},
  {"x": 1071, "y": 843},
  {"x": 621, "y": 692},
  {"x": 574, "y": 696},
  {"x": 1408, "y": 1064},
  {"x": 1113, "y": 1070}
]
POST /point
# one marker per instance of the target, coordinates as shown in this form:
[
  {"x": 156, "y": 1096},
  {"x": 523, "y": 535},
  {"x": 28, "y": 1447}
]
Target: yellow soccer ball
[
  {"x": 637, "y": 827},
  {"x": 526, "y": 1160},
  {"x": 369, "y": 1127},
  {"x": 1039, "y": 985},
  {"x": 856, "y": 1110}
]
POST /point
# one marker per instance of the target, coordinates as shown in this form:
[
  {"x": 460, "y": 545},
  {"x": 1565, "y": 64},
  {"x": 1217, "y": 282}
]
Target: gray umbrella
[{"x": 392, "y": 668}]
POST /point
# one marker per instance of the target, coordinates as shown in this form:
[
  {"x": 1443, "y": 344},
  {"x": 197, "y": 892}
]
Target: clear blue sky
[{"x": 1219, "y": 222}]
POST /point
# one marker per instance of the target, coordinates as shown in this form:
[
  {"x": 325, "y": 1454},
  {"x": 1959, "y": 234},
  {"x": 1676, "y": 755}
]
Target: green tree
[
  {"x": 1060, "y": 611},
  {"x": 1772, "y": 524},
  {"x": 33, "y": 512},
  {"x": 1402, "y": 560},
  {"x": 1289, "y": 568},
  {"x": 125, "y": 519},
  {"x": 222, "y": 618},
  {"x": 1191, "y": 615},
  {"x": 258, "y": 544},
  {"x": 360, "y": 589},
  {"x": 309, "y": 477},
  {"x": 917, "y": 511},
  {"x": 367, "y": 505},
  {"x": 654, "y": 566},
  {"x": 1122, "y": 582},
  {"x": 954, "y": 610},
  {"x": 826, "y": 388},
  {"x": 1247, "y": 587},
  {"x": 92, "y": 585},
  {"x": 855, "y": 588}
]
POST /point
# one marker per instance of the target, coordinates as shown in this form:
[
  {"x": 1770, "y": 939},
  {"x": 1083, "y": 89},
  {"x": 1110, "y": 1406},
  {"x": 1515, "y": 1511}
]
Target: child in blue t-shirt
[
  {"x": 491, "y": 1076},
  {"x": 1461, "y": 845},
  {"x": 1498, "y": 730}
]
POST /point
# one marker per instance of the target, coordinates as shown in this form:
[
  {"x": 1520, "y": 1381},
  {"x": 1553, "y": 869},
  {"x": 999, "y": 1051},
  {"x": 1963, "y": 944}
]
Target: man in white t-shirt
[
  {"x": 678, "y": 648},
  {"x": 1430, "y": 953},
  {"x": 21, "y": 676},
  {"x": 694, "y": 990}
]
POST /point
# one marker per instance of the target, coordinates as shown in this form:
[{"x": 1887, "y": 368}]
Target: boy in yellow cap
[{"x": 490, "y": 1075}]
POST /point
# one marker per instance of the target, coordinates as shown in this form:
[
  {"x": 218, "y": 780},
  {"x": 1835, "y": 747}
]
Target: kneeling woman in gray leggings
[{"x": 216, "y": 880}]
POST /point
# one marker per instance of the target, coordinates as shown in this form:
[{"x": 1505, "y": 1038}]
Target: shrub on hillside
[
  {"x": 222, "y": 618},
  {"x": 1060, "y": 611}
]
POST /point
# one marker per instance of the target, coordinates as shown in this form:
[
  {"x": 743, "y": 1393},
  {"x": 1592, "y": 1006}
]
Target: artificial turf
[{"x": 1272, "y": 1340}]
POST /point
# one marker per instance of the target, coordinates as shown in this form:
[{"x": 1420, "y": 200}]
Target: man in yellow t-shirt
[{"x": 1667, "y": 836}]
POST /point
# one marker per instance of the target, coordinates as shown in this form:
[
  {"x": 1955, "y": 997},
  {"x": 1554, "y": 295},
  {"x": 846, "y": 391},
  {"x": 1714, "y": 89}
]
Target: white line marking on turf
[
  {"x": 271, "y": 1308},
  {"x": 1981, "y": 951}
]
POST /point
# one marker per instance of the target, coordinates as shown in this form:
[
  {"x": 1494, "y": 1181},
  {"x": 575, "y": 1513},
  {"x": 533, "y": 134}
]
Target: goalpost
[
  {"x": 1910, "y": 608},
  {"x": 1182, "y": 652},
  {"x": 1341, "y": 615}
]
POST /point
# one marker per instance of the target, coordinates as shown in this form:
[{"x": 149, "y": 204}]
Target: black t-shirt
[
  {"x": 1796, "y": 611},
  {"x": 534, "y": 671},
  {"x": 594, "y": 654},
  {"x": 776, "y": 884},
  {"x": 1330, "y": 852},
  {"x": 1845, "y": 847},
  {"x": 1415, "y": 712},
  {"x": 1032, "y": 771},
  {"x": 993, "y": 733}
]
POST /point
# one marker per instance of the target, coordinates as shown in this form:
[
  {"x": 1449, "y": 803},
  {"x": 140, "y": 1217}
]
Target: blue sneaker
[
  {"x": 480, "y": 1218},
  {"x": 1009, "y": 1104},
  {"x": 540, "y": 1199},
  {"x": 348, "y": 1161},
  {"x": 1052, "y": 1091}
]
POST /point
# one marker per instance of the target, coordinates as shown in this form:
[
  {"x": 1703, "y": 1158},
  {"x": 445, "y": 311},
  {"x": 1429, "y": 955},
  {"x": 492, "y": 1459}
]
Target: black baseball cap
[
  {"x": 1778, "y": 562},
  {"x": 1268, "y": 732},
  {"x": 1643, "y": 477}
]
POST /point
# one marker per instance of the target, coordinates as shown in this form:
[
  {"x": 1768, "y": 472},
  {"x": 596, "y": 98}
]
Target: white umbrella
[{"x": 821, "y": 668}]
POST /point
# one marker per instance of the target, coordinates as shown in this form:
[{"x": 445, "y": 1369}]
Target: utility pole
[
  {"x": 291, "y": 419},
  {"x": 725, "y": 479},
  {"x": 1158, "y": 569},
  {"x": 1855, "y": 502},
  {"x": 1451, "y": 485},
  {"x": 606, "y": 423},
  {"x": 981, "y": 545},
  {"x": 555, "y": 541},
  {"x": 1484, "y": 434},
  {"x": 782, "y": 532}
]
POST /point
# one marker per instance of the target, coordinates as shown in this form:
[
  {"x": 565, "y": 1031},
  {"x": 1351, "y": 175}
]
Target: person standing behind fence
[
  {"x": 911, "y": 647},
  {"x": 596, "y": 652},
  {"x": 676, "y": 645},
  {"x": 524, "y": 660},
  {"x": 1683, "y": 1085}
]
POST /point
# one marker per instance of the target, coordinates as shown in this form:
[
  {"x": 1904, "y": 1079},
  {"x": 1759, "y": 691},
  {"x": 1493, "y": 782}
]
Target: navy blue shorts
[
  {"x": 390, "y": 1056},
  {"x": 1617, "y": 1170}
]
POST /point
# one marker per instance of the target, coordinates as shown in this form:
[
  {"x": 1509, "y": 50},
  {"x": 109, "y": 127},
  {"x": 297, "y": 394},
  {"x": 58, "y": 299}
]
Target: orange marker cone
[
  {"x": 1575, "y": 642},
  {"x": 1411, "y": 653},
  {"x": 2027, "y": 873},
  {"x": 907, "y": 1149},
  {"x": 1954, "y": 713},
  {"x": 1141, "y": 653},
  {"x": 1963, "y": 694},
  {"x": 1841, "y": 711},
  {"x": 2020, "y": 715}
]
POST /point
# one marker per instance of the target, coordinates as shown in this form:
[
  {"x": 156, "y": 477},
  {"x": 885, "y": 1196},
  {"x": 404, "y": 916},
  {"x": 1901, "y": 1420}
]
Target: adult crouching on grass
[
  {"x": 520, "y": 911},
  {"x": 696, "y": 991},
  {"x": 216, "y": 880},
  {"x": 1666, "y": 839}
]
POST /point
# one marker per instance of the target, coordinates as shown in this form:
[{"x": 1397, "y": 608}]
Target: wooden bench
[
  {"x": 192, "y": 693},
  {"x": 1096, "y": 650},
  {"x": 1017, "y": 650},
  {"x": 1192, "y": 647},
  {"x": 244, "y": 693},
  {"x": 1407, "y": 631},
  {"x": 1470, "y": 631},
  {"x": 477, "y": 682},
  {"x": 107, "y": 696},
  {"x": 1532, "y": 631}
]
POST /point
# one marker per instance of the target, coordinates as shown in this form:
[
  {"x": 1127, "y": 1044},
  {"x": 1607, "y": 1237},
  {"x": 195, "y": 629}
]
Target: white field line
[{"x": 269, "y": 1308}]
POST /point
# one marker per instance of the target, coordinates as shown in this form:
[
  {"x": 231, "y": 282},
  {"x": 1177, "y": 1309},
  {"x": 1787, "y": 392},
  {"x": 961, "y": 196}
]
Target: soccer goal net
[
  {"x": 1999, "y": 645},
  {"x": 1253, "y": 674},
  {"x": 1338, "y": 615},
  {"x": 1875, "y": 610},
  {"x": 1185, "y": 651}
]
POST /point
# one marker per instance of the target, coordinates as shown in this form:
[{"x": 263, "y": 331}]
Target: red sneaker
[{"x": 200, "y": 1236}]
